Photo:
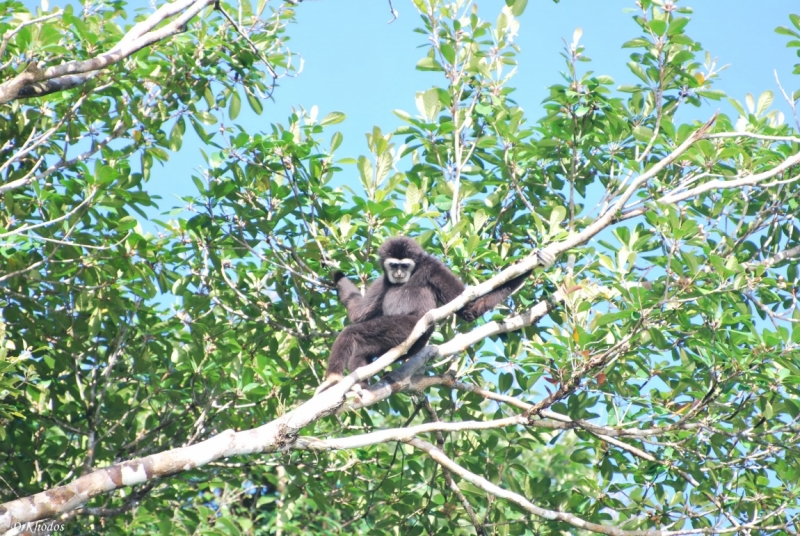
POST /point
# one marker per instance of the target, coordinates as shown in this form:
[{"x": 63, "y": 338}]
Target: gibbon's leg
[{"x": 358, "y": 343}]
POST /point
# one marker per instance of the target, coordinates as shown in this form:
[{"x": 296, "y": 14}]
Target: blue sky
[{"x": 356, "y": 63}]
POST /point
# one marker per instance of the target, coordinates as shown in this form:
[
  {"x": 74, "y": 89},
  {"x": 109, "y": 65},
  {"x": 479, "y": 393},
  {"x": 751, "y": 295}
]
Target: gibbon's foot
[
  {"x": 360, "y": 386},
  {"x": 546, "y": 258},
  {"x": 330, "y": 381},
  {"x": 356, "y": 391}
]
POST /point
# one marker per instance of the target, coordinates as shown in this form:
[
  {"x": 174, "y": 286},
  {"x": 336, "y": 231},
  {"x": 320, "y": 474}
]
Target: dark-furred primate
[{"x": 412, "y": 284}]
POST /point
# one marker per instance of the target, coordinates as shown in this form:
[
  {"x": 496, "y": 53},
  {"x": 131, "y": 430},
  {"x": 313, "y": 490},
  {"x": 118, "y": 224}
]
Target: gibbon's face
[{"x": 398, "y": 270}]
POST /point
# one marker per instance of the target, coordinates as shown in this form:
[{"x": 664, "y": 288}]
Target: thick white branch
[
  {"x": 716, "y": 184},
  {"x": 762, "y": 137},
  {"x": 402, "y": 434},
  {"x": 138, "y": 37},
  {"x": 274, "y": 436},
  {"x": 462, "y": 341}
]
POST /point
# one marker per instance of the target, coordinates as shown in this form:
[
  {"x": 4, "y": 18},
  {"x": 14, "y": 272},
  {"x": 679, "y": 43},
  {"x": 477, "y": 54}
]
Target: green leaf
[
  {"x": 658, "y": 339},
  {"x": 658, "y": 27},
  {"x": 751, "y": 103},
  {"x": 235, "y": 105},
  {"x": 176, "y": 134},
  {"x": 764, "y": 102},
  {"x": 783, "y": 30},
  {"x": 630, "y": 89},
  {"x": 336, "y": 141},
  {"x": 365, "y": 171},
  {"x": 682, "y": 57},
  {"x": 677, "y": 25},
  {"x": 602, "y": 320},
  {"x": 405, "y": 116},
  {"x": 506, "y": 380},
  {"x": 332, "y": 118},
  {"x": 768, "y": 411},
  {"x": 643, "y": 133},
  {"x": 558, "y": 215},
  {"x": 713, "y": 94},
  {"x": 448, "y": 52},
  {"x": 383, "y": 167},
  {"x": 428, "y": 104},
  {"x": 206, "y": 118},
  {"x": 255, "y": 104},
  {"x": 413, "y": 197},
  {"x": 639, "y": 42},
  {"x": 503, "y": 21},
  {"x": 429, "y": 64},
  {"x": 126, "y": 222},
  {"x": 518, "y": 7},
  {"x": 198, "y": 128},
  {"x": 472, "y": 243},
  {"x": 216, "y": 159},
  {"x": 104, "y": 175},
  {"x": 638, "y": 71},
  {"x": 443, "y": 202},
  {"x": 486, "y": 142},
  {"x": 479, "y": 219},
  {"x": 483, "y": 109},
  {"x": 94, "y": 325},
  {"x": 738, "y": 106}
]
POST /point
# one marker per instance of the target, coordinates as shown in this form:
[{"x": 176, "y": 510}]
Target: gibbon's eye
[{"x": 393, "y": 265}]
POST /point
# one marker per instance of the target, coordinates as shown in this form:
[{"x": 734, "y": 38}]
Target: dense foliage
[{"x": 661, "y": 391}]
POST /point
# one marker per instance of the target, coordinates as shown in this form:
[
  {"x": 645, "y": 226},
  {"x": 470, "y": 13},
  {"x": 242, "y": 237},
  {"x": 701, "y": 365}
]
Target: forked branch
[{"x": 36, "y": 81}]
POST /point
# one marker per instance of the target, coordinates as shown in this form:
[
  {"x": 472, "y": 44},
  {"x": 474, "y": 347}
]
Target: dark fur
[{"x": 386, "y": 314}]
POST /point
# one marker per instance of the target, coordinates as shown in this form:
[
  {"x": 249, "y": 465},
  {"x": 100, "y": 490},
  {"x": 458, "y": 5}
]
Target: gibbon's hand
[
  {"x": 335, "y": 272},
  {"x": 330, "y": 264},
  {"x": 546, "y": 258}
]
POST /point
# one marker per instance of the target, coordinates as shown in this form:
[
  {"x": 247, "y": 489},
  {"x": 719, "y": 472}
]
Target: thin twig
[
  {"x": 256, "y": 50},
  {"x": 11, "y": 33}
]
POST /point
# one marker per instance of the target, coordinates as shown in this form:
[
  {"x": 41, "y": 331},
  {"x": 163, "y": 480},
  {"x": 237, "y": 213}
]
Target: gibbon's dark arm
[
  {"x": 359, "y": 308},
  {"x": 487, "y": 302},
  {"x": 449, "y": 287}
]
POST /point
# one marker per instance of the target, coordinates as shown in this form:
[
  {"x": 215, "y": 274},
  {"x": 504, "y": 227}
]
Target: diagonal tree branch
[
  {"x": 718, "y": 184},
  {"x": 36, "y": 82}
]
